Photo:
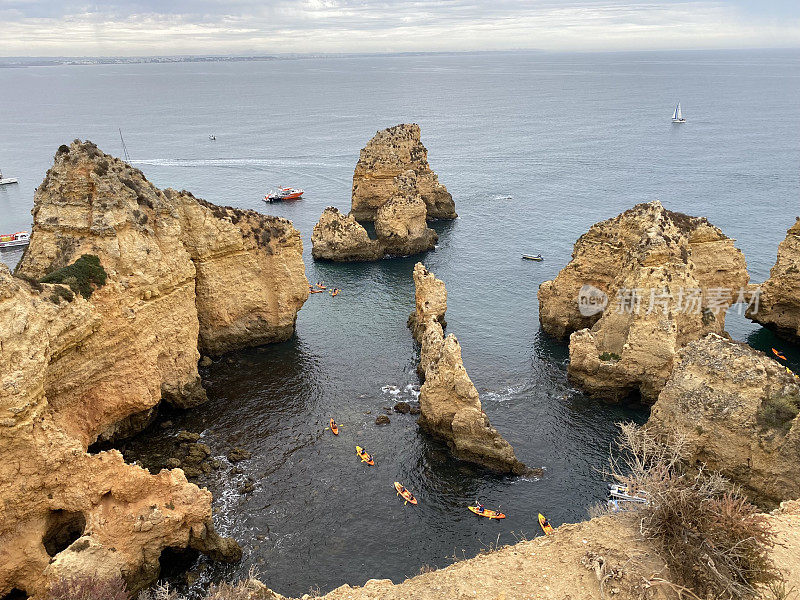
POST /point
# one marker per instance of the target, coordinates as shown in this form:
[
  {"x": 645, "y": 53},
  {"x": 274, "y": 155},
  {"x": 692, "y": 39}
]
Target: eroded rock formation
[
  {"x": 737, "y": 409},
  {"x": 779, "y": 304},
  {"x": 401, "y": 224},
  {"x": 449, "y": 403},
  {"x": 341, "y": 238},
  {"x": 180, "y": 272},
  {"x": 388, "y": 154},
  {"x": 658, "y": 279}
]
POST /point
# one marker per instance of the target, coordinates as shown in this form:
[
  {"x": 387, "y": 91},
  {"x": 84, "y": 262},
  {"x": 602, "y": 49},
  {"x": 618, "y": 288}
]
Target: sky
[{"x": 164, "y": 27}]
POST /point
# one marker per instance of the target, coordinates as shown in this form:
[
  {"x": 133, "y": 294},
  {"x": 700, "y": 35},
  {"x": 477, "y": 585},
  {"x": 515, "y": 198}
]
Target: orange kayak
[
  {"x": 402, "y": 491},
  {"x": 778, "y": 354},
  {"x": 485, "y": 512},
  {"x": 334, "y": 427},
  {"x": 364, "y": 456},
  {"x": 546, "y": 527}
]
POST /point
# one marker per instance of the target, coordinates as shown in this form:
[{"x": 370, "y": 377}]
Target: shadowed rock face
[
  {"x": 779, "y": 304},
  {"x": 180, "y": 272},
  {"x": 667, "y": 278},
  {"x": 388, "y": 154},
  {"x": 449, "y": 403},
  {"x": 738, "y": 409}
]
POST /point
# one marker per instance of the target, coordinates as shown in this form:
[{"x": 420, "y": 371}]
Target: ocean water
[{"x": 535, "y": 148}]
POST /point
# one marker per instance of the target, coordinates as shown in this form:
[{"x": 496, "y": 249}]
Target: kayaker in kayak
[{"x": 545, "y": 523}]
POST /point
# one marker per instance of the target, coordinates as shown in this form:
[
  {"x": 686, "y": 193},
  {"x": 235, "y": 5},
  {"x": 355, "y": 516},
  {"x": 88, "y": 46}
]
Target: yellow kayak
[
  {"x": 364, "y": 456},
  {"x": 402, "y": 491},
  {"x": 485, "y": 512},
  {"x": 546, "y": 527}
]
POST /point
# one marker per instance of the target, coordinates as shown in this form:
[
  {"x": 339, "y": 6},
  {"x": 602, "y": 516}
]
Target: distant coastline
[{"x": 52, "y": 61}]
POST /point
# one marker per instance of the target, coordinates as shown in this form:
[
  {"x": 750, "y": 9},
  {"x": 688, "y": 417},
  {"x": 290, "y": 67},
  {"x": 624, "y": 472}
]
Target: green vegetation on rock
[{"x": 83, "y": 276}]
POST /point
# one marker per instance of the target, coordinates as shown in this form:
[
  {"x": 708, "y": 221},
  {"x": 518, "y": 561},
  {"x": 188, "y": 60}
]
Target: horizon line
[{"x": 280, "y": 55}]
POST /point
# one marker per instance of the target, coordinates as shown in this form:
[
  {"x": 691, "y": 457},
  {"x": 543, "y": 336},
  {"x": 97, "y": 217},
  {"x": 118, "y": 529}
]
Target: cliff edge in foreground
[
  {"x": 595, "y": 560},
  {"x": 738, "y": 410},
  {"x": 449, "y": 403},
  {"x": 120, "y": 284}
]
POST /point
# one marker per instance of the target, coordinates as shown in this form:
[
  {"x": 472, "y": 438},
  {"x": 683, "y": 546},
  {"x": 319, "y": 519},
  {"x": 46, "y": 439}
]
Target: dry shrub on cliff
[
  {"x": 712, "y": 538},
  {"x": 85, "y": 587}
]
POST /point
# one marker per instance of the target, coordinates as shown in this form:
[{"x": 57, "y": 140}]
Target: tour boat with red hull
[
  {"x": 283, "y": 194},
  {"x": 9, "y": 240}
]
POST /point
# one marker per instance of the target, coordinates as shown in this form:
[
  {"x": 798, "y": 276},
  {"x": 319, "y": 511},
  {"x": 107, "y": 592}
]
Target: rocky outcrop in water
[
  {"x": 738, "y": 411},
  {"x": 389, "y": 154},
  {"x": 136, "y": 279},
  {"x": 449, "y": 403},
  {"x": 341, "y": 238},
  {"x": 400, "y": 226},
  {"x": 638, "y": 288},
  {"x": 779, "y": 303}
]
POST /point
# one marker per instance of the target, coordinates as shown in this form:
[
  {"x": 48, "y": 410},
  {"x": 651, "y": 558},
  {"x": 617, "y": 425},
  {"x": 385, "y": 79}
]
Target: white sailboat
[
  {"x": 677, "y": 115},
  {"x": 7, "y": 180}
]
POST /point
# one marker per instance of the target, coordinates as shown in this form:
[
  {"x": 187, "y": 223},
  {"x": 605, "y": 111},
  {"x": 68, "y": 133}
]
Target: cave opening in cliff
[
  {"x": 15, "y": 594},
  {"x": 175, "y": 560},
  {"x": 63, "y": 528}
]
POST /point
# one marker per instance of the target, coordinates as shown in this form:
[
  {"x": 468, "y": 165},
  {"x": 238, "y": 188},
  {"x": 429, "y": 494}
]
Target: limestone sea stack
[
  {"x": 449, "y": 403},
  {"x": 778, "y": 308},
  {"x": 400, "y": 225},
  {"x": 737, "y": 409},
  {"x": 387, "y": 155},
  {"x": 341, "y": 238},
  {"x": 657, "y": 280},
  {"x": 120, "y": 284}
]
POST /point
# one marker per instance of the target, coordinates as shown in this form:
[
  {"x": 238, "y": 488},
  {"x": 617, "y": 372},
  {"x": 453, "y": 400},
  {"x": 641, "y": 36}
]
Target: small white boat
[
  {"x": 677, "y": 115},
  {"x": 538, "y": 257},
  {"x": 7, "y": 180},
  {"x": 9, "y": 240},
  {"x": 623, "y": 494},
  {"x": 212, "y": 137}
]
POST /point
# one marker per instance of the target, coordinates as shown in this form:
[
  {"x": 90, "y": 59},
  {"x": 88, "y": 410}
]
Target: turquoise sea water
[{"x": 534, "y": 148}]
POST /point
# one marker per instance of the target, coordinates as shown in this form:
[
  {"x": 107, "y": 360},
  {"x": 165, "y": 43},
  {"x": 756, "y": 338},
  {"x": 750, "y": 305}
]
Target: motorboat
[
  {"x": 10, "y": 240},
  {"x": 538, "y": 257},
  {"x": 285, "y": 193},
  {"x": 7, "y": 180},
  {"x": 622, "y": 493}
]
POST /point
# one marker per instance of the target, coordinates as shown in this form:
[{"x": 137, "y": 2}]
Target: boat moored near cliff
[{"x": 10, "y": 240}]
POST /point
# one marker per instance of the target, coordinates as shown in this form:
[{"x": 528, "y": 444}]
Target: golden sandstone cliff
[
  {"x": 393, "y": 186},
  {"x": 449, "y": 403},
  {"x": 180, "y": 273},
  {"x": 638, "y": 288},
  {"x": 738, "y": 411},
  {"x": 779, "y": 305}
]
